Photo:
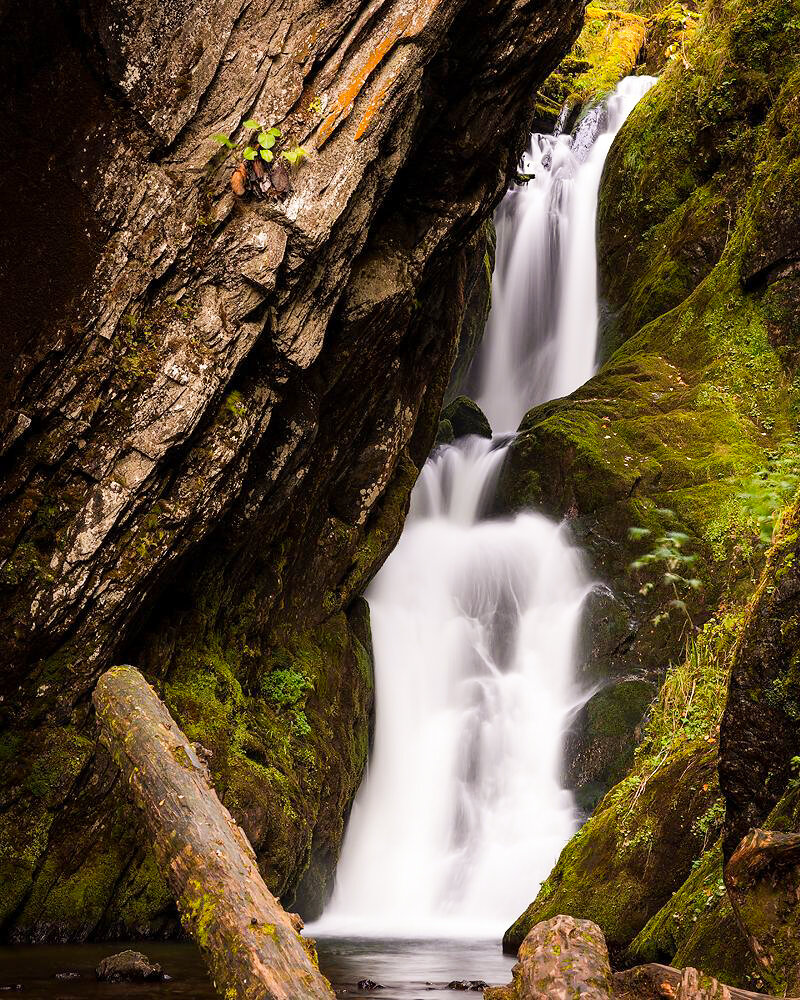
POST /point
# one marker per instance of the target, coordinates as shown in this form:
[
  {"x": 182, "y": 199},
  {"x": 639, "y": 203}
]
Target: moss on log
[{"x": 248, "y": 941}]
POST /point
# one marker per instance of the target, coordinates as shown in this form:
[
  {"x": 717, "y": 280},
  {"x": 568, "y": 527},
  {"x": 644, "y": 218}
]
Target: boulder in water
[
  {"x": 562, "y": 957},
  {"x": 478, "y": 985},
  {"x": 128, "y": 967},
  {"x": 369, "y": 984},
  {"x": 465, "y": 417}
]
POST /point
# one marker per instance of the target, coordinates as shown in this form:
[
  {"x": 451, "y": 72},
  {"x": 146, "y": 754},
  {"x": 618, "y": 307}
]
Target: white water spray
[{"x": 474, "y": 621}]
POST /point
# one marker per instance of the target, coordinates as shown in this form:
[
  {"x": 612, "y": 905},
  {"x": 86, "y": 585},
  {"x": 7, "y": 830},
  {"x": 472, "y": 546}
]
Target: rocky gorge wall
[{"x": 214, "y": 407}]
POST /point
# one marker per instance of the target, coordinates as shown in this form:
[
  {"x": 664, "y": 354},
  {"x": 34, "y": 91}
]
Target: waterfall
[
  {"x": 474, "y": 620},
  {"x": 541, "y": 339}
]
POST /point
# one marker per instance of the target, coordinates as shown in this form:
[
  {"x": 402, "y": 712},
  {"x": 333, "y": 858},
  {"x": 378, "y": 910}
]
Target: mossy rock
[
  {"x": 697, "y": 927},
  {"x": 765, "y": 889},
  {"x": 287, "y": 731},
  {"x": 599, "y": 747},
  {"x": 635, "y": 850},
  {"x": 461, "y": 418},
  {"x": 608, "y": 49}
]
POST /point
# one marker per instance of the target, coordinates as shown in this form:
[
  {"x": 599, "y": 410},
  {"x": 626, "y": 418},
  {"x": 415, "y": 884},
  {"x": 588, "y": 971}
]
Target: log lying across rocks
[
  {"x": 249, "y": 942},
  {"x": 564, "y": 958},
  {"x": 662, "y": 982}
]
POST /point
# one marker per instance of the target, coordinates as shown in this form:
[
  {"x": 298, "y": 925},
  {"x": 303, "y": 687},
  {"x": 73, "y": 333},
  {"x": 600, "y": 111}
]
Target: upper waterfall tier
[{"x": 541, "y": 340}]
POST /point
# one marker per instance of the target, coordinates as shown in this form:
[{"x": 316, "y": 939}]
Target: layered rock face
[{"x": 214, "y": 407}]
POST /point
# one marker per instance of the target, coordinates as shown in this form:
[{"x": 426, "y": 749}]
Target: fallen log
[
  {"x": 762, "y": 877},
  {"x": 248, "y": 941},
  {"x": 560, "y": 959},
  {"x": 663, "y": 982}
]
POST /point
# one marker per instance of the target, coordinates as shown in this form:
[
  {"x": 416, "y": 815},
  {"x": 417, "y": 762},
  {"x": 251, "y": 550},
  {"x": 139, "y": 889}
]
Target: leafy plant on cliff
[
  {"x": 264, "y": 144},
  {"x": 771, "y": 488},
  {"x": 668, "y": 555}
]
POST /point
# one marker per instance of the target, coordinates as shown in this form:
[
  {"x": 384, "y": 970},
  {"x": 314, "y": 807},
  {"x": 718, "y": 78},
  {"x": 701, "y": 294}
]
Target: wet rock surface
[
  {"x": 460, "y": 418},
  {"x": 129, "y": 967}
]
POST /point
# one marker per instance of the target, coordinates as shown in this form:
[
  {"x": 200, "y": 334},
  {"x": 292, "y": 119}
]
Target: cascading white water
[
  {"x": 541, "y": 339},
  {"x": 474, "y": 620}
]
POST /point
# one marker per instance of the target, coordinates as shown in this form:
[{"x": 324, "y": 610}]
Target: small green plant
[
  {"x": 266, "y": 140},
  {"x": 286, "y": 688},
  {"x": 709, "y": 825},
  {"x": 771, "y": 488},
  {"x": 669, "y": 555}
]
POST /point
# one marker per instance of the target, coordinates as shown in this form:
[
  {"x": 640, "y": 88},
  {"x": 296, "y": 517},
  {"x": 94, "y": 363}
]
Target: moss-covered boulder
[
  {"x": 462, "y": 417},
  {"x": 697, "y": 927},
  {"x": 763, "y": 882},
  {"x": 641, "y": 842},
  {"x": 760, "y": 742},
  {"x": 607, "y": 50},
  {"x": 634, "y": 851},
  {"x": 618, "y": 39},
  {"x": 599, "y": 746}
]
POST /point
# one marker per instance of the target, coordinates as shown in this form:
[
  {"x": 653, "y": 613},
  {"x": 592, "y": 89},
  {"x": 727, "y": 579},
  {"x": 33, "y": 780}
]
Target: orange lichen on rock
[
  {"x": 373, "y": 107},
  {"x": 407, "y": 25}
]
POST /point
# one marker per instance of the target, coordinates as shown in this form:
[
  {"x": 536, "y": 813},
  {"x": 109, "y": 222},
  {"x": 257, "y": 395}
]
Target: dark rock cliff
[{"x": 214, "y": 408}]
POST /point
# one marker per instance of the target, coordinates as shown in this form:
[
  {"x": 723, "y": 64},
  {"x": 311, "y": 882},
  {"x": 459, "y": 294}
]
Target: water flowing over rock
[
  {"x": 541, "y": 340},
  {"x": 475, "y": 620},
  {"x": 216, "y": 407}
]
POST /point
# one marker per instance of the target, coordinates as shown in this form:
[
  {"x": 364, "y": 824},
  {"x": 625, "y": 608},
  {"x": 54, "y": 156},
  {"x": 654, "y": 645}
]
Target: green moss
[
  {"x": 697, "y": 927},
  {"x": 640, "y": 843},
  {"x": 636, "y": 848},
  {"x": 607, "y": 49}
]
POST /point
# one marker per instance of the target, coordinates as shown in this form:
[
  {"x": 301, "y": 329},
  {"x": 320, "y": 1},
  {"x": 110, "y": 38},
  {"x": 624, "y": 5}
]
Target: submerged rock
[
  {"x": 464, "y": 985},
  {"x": 369, "y": 984},
  {"x": 128, "y": 967}
]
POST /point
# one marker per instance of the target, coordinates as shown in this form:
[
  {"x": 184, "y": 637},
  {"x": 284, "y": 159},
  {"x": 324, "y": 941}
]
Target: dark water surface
[{"x": 409, "y": 970}]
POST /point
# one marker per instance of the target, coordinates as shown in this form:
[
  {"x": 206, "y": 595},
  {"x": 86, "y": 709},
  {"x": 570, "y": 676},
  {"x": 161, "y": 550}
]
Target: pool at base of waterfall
[
  {"x": 412, "y": 970},
  {"x": 407, "y": 970}
]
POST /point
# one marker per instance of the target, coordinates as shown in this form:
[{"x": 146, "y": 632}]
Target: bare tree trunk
[{"x": 248, "y": 941}]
